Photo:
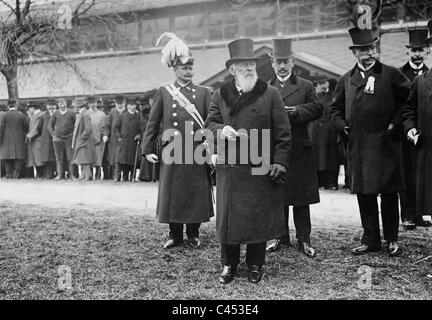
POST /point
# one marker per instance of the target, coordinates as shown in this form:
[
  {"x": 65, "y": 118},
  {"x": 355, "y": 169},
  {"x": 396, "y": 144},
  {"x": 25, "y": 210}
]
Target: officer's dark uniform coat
[
  {"x": 374, "y": 154},
  {"x": 250, "y": 208},
  {"x": 184, "y": 189},
  {"x": 301, "y": 186}
]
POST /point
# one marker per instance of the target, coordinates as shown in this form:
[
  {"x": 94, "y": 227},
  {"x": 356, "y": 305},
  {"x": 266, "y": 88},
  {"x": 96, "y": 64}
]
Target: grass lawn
[{"x": 114, "y": 255}]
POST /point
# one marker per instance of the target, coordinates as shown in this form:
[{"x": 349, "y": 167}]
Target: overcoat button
[
  {"x": 175, "y": 114},
  {"x": 174, "y": 105},
  {"x": 175, "y": 124},
  {"x": 193, "y": 96}
]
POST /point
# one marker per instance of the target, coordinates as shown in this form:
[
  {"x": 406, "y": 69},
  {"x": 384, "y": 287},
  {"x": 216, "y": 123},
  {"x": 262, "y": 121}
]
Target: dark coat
[
  {"x": 250, "y": 208},
  {"x": 418, "y": 114},
  {"x": 35, "y": 152},
  {"x": 374, "y": 153},
  {"x": 410, "y": 73},
  {"x": 301, "y": 186},
  {"x": 47, "y": 147},
  {"x": 82, "y": 141},
  {"x": 13, "y": 128},
  {"x": 108, "y": 131},
  {"x": 146, "y": 167},
  {"x": 324, "y": 138},
  {"x": 184, "y": 189},
  {"x": 126, "y": 128}
]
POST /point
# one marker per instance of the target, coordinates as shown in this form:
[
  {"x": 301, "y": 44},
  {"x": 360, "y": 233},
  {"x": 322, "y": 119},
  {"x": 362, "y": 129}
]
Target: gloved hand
[
  {"x": 27, "y": 139},
  {"x": 137, "y": 137},
  {"x": 277, "y": 172},
  {"x": 229, "y": 133},
  {"x": 411, "y": 134},
  {"x": 105, "y": 139},
  {"x": 152, "y": 158},
  {"x": 213, "y": 159}
]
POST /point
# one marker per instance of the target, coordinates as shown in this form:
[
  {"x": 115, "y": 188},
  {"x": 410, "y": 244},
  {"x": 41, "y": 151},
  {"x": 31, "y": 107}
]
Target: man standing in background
[{"x": 98, "y": 121}]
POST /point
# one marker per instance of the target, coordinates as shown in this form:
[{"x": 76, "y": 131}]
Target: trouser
[
  {"x": 327, "y": 178},
  {"x": 86, "y": 172},
  {"x": 48, "y": 170},
  {"x": 62, "y": 149},
  {"x": 302, "y": 223},
  {"x": 368, "y": 205},
  {"x": 255, "y": 254},
  {"x": 126, "y": 169},
  {"x": 176, "y": 231},
  {"x": 13, "y": 168},
  {"x": 408, "y": 198},
  {"x": 2, "y": 169}
]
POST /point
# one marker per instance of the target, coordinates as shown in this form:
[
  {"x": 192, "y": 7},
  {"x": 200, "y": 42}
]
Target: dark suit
[
  {"x": 374, "y": 152},
  {"x": 301, "y": 186},
  {"x": 408, "y": 198}
]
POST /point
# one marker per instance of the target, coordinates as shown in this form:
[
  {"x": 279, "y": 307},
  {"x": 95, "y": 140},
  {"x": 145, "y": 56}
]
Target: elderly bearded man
[
  {"x": 302, "y": 106},
  {"x": 249, "y": 205},
  {"x": 368, "y": 103}
]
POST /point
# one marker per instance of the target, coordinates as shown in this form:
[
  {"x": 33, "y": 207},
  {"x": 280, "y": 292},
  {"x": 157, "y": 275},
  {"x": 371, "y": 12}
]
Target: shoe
[
  {"x": 228, "y": 274},
  {"x": 255, "y": 273},
  {"x": 277, "y": 244},
  {"x": 171, "y": 243},
  {"x": 306, "y": 249},
  {"x": 364, "y": 249},
  {"x": 393, "y": 249},
  {"x": 194, "y": 242},
  {"x": 408, "y": 225}
]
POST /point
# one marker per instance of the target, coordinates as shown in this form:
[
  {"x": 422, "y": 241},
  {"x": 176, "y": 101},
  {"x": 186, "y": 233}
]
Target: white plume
[{"x": 174, "y": 48}]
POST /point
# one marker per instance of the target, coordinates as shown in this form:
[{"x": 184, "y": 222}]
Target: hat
[
  {"x": 321, "y": 78},
  {"x": 33, "y": 104},
  {"x": 430, "y": 31},
  {"x": 51, "y": 102},
  {"x": 91, "y": 99},
  {"x": 417, "y": 38},
  {"x": 11, "y": 102},
  {"x": 79, "y": 102},
  {"x": 132, "y": 100},
  {"x": 119, "y": 99},
  {"x": 281, "y": 48},
  {"x": 241, "y": 49},
  {"x": 175, "y": 52},
  {"x": 361, "y": 37}
]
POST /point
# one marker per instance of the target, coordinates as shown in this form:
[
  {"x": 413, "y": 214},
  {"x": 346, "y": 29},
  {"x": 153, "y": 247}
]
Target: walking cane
[{"x": 136, "y": 160}]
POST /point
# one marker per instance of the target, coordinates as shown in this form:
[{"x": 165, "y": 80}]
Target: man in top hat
[
  {"x": 98, "y": 122},
  {"x": 13, "y": 128},
  {"x": 184, "y": 195},
  {"x": 418, "y": 49},
  {"x": 368, "y": 100},
  {"x": 418, "y": 115},
  {"x": 127, "y": 131},
  {"x": 47, "y": 148},
  {"x": 324, "y": 138},
  {"x": 108, "y": 138},
  {"x": 82, "y": 139},
  {"x": 250, "y": 204},
  {"x": 61, "y": 127},
  {"x": 302, "y": 106}
]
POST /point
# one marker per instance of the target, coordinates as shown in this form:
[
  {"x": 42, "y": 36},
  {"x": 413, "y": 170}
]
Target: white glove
[
  {"x": 213, "y": 158},
  {"x": 105, "y": 139},
  {"x": 411, "y": 134},
  {"x": 152, "y": 158},
  {"x": 229, "y": 133}
]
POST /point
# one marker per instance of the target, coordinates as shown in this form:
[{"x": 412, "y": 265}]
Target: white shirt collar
[
  {"x": 63, "y": 112},
  {"x": 414, "y": 66},
  {"x": 183, "y": 85},
  {"x": 362, "y": 68},
  {"x": 131, "y": 112},
  {"x": 283, "y": 80},
  {"x": 238, "y": 88}
]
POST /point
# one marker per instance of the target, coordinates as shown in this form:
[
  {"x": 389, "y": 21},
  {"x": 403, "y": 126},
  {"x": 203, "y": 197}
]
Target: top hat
[
  {"x": 132, "y": 100},
  {"x": 361, "y": 37},
  {"x": 281, "y": 48},
  {"x": 417, "y": 38},
  {"x": 430, "y": 31},
  {"x": 79, "y": 102},
  {"x": 119, "y": 98},
  {"x": 51, "y": 102},
  {"x": 11, "y": 102},
  {"x": 91, "y": 99},
  {"x": 241, "y": 49},
  {"x": 34, "y": 104}
]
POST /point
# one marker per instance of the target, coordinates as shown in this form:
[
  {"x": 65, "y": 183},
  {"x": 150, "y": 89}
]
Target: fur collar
[{"x": 236, "y": 102}]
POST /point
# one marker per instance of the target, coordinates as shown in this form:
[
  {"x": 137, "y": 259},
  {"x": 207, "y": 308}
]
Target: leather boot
[
  {"x": 117, "y": 172},
  {"x": 71, "y": 173},
  {"x": 59, "y": 169},
  {"x": 98, "y": 173},
  {"x": 86, "y": 173}
]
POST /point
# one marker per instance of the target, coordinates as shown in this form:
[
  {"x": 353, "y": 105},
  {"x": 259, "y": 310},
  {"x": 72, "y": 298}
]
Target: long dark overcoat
[
  {"x": 82, "y": 141},
  {"x": 324, "y": 138},
  {"x": 374, "y": 154},
  {"x": 47, "y": 147},
  {"x": 250, "y": 208},
  {"x": 126, "y": 128},
  {"x": 184, "y": 189},
  {"x": 418, "y": 114},
  {"x": 108, "y": 130},
  {"x": 13, "y": 129},
  {"x": 35, "y": 153},
  {"x": 301, "y": 186}
]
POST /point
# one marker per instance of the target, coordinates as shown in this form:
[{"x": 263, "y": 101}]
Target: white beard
[{"x": 246, "y": 83}]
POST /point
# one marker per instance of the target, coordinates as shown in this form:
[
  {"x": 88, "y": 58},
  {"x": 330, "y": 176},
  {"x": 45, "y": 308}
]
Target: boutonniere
[{"x": 370, "y": 85}]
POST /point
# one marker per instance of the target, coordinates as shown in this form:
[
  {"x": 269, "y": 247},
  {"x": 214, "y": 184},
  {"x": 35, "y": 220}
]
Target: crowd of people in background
[{"x": 87, "y": 139}]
